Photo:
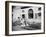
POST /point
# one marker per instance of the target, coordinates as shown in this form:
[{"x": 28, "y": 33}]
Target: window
[
  {"x": 39, "y": 8},
  {"x": 23, "y": 15},
  {"x": 39, "y": 14}
]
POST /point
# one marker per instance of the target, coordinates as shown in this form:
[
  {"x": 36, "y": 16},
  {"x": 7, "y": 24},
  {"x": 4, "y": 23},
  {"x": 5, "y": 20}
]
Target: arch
[{"x": 30, "y": 13}]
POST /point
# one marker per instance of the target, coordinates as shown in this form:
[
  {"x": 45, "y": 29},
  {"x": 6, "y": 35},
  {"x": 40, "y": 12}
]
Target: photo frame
[{"x": 24, "y": 18}]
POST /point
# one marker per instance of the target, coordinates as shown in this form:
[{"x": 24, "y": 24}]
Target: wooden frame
[{"x": 7, "y": 17}]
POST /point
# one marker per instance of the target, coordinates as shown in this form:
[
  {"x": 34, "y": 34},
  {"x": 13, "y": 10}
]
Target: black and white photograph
[{"x": 26, "y": 18}]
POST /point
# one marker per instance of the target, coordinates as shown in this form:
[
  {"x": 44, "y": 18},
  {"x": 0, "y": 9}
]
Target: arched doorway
[{"x": 30, "y": 13}]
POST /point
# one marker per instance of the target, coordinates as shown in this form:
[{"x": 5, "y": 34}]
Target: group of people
[{"x": 22, "y": 21}]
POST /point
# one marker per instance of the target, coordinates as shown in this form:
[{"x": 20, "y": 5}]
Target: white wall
[{"x": 17, "y": 12}]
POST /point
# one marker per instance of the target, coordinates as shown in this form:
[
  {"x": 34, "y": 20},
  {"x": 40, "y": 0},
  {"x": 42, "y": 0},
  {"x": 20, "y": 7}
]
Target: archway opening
[{"x": 30, "y": 13}]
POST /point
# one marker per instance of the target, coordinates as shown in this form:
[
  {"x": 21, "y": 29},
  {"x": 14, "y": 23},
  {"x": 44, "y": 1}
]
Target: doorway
[{"x": 30, "y": 13}]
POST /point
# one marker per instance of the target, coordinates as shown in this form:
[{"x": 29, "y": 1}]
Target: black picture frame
[{"x": 7, "y": 17}]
